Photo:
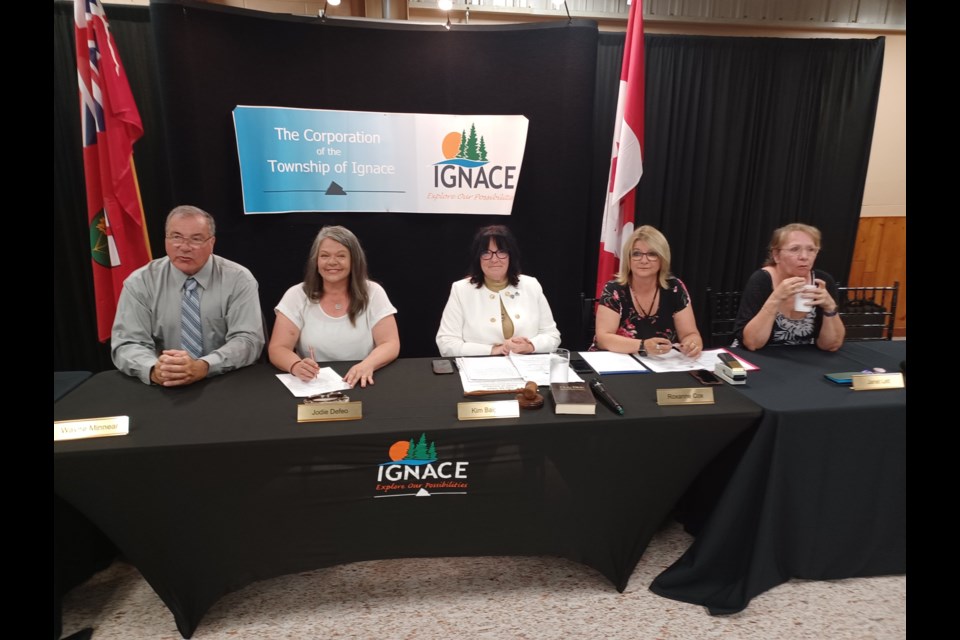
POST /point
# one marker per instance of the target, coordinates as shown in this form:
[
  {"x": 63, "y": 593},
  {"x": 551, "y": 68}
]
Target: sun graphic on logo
[
  {"x": 398, "y": 450},
  {"x": 464, "y": 149},
  {"x": 450, "y": 145}
]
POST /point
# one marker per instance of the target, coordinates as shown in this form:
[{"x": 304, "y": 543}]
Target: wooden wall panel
[{"x": 880, "y": 258}]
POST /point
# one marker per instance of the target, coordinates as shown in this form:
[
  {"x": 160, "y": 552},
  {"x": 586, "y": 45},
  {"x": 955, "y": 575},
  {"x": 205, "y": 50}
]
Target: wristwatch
[
  {"x": 641, "y": 351},
  {"x": 830, "y": 314}
]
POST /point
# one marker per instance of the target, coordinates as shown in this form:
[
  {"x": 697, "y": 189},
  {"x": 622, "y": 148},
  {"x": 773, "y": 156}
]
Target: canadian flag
[{"x": 626, "y": 165}]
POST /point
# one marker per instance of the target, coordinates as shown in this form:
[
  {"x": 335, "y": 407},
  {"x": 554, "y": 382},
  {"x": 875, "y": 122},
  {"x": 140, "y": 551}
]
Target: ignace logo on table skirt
[{"x": 415, "y": 470}]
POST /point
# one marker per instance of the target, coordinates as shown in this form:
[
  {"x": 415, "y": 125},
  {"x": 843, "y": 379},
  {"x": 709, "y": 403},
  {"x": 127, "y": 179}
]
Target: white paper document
[
  {"x": 676, "y": 361},
  {"x": 327, "y": 380},
  {"x": 488, "y": 368},
  {"x": 498, "y": 373},
  {"x": 533, "y": 366},
  {"x": 610, "y": 362}
]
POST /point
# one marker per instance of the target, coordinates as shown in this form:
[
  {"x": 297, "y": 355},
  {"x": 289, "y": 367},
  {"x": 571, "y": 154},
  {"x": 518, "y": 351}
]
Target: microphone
[{"x": 601, "y": 392}]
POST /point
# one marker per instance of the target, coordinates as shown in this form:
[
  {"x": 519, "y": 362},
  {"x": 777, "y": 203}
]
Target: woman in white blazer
[{"x": 495, "y": 310}]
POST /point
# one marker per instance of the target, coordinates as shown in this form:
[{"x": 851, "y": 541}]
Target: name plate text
[
  {"x": 91, "y": 428},
  {"x": 693, "y": 395},
  {"x": 327, "y": 411},
  {"x": 488, "y": 410},
  {"x": 874, "y": 381}
]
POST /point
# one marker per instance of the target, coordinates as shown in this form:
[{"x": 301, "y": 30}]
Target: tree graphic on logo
[
  {"x": 462, "y": 153},
  {"x": 472, "y": 144},
  {"x": 470, "y": 148},
  {"x": 421, "y": 450},
  {"x": 464, "y": 149}
]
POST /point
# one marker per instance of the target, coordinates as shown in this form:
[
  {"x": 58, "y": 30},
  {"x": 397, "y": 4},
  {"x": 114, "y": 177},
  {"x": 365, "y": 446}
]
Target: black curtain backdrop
[
  {"x": 742, "y": 135},
  {"x": 212, "y": 59}
]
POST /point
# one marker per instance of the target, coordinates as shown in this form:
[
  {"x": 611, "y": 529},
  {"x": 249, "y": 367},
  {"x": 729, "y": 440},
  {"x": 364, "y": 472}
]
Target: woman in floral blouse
[{"x": 646, "y": 309}]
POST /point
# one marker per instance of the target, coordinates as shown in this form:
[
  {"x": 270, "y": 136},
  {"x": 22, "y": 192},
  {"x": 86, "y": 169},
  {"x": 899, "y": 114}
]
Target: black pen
[{"x": 601, "y": 392}]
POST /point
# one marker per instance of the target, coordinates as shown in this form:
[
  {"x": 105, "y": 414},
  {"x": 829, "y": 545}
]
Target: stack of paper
[
  {"x": 497, "y": 373},
  {"x": 673, "y": 360}
]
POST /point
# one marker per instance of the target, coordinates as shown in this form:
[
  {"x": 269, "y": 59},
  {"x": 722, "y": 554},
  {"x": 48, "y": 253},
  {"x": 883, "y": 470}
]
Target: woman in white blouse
[
  {"x": 495, "y": 310},
  {"x": 335, "y": 314}
]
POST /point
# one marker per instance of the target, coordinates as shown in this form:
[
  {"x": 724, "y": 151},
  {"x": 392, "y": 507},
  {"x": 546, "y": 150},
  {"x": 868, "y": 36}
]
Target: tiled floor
[{"x": 490, "y": 599}]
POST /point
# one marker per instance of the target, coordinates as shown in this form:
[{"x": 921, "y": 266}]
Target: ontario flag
[
  {"x": 626, "y": 165},
  {"x": 110, "y": 124}
]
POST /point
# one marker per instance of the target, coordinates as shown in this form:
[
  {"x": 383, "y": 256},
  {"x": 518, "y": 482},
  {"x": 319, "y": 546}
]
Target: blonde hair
[
  {"x": 657, "y": 242},
  {"x": 780, "y": 236}
]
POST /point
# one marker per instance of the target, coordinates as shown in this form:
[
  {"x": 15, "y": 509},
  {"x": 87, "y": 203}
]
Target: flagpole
[{"x": 143, "y": 215}]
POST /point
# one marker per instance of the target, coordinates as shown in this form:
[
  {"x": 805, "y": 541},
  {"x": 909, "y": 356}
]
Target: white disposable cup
[
  {"x": 559, "y": 365},
  {"x": 803, "y": 304}
]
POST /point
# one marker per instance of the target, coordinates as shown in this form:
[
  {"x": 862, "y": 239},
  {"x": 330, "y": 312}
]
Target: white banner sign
[{"x": 319, "y": 160}]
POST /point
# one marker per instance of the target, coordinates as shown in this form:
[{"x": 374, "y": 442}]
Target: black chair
[
  {"x": 722, "y": 307},
  {"x": 588, "y": 321},
  {"x": 868, "y": 313}
]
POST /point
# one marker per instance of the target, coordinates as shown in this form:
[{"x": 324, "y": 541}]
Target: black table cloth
[
  {"x": 79, "y": 548},
  {"x": 217, "y": 485},
  {"x": 66, "y": 381},
  {"x": 820, "y": 492}
]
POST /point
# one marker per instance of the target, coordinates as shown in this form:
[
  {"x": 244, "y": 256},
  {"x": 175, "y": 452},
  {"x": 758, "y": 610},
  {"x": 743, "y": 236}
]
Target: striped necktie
[{"x": 191, "y": 336}]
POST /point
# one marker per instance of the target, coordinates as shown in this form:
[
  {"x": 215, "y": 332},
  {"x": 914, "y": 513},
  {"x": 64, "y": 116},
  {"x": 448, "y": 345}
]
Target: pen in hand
[{"x": 679, "y": 347}]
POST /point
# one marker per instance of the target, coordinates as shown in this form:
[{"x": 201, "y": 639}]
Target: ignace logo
[
  {"x": 414, "y": 470},
  {"x": 465, "y": 165}
]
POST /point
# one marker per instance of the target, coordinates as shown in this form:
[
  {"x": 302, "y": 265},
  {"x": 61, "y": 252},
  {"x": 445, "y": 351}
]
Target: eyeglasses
[
  {"x": 488, "y": 255},
  {"x": 640, "y": 255},
  {"x": 797, "y": 250},
  {"x": 178, "y": 240},
  {"x": 327, "y": 257}
]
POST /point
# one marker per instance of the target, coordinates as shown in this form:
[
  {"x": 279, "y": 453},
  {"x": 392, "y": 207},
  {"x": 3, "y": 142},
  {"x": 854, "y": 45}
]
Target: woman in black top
[{"x": 767, "y": 314}]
